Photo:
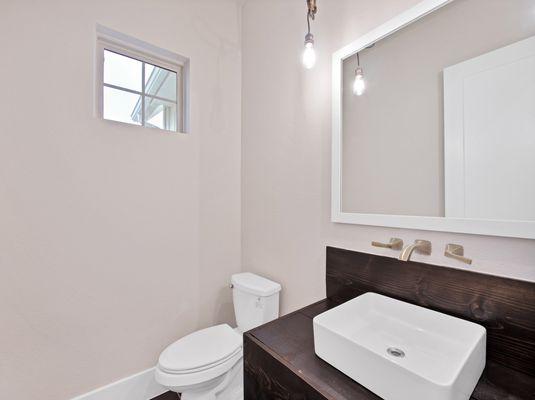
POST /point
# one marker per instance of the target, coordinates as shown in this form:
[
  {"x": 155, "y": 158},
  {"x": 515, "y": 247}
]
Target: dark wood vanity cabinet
[{"x": 279, "y": 358}]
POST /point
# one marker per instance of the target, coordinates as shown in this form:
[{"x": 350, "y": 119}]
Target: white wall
[
  {"x": 114, "y": 240},
  {"x": 286, "y": 162}
]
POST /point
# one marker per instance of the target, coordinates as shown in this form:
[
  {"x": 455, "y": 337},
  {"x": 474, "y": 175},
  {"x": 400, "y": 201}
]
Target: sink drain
[{"x": 395, "y": 352}]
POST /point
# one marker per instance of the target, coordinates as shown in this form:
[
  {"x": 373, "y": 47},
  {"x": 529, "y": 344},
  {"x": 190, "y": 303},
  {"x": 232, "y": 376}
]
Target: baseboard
[{"x": 140, "y": 386}]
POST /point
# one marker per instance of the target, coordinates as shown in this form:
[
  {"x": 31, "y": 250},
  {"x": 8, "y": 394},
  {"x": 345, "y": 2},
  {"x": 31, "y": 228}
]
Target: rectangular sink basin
[{"x": 401, "y": 351}]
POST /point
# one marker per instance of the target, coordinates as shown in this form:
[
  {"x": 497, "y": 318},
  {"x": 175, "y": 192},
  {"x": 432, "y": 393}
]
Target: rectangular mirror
[{"x": 434, "y": 120}]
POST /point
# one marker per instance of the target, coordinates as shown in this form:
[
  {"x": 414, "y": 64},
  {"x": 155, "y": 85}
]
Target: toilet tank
[{"x": 256, "y": 300}]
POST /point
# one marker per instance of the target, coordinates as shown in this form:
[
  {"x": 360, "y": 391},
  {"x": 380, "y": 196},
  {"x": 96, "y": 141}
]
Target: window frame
[{"x": 129, "y": 47}]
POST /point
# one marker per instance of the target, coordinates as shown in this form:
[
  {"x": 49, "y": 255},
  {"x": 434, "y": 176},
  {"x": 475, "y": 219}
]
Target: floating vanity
[{"x": 281, "y": 361}]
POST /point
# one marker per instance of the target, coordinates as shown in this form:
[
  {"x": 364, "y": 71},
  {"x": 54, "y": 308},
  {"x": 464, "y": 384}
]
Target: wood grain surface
[
  {"x": 505, "y": 307},
  {"x": 279, "y": 358}
]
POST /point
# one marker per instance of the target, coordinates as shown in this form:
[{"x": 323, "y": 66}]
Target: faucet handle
[
  {"x": 456, "y": 251},
  {"x": 423, "y": 247},
  {"x": 394, "y": 244}
]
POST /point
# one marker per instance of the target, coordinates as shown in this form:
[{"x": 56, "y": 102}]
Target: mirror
[{"x": 434, "y": 120}]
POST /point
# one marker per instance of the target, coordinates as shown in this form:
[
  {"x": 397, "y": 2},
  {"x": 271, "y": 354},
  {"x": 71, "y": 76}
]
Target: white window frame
[{"x": 108, "y": 39}]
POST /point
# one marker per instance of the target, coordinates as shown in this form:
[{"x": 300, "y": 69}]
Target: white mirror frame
[{"x": 519, "y": 229}]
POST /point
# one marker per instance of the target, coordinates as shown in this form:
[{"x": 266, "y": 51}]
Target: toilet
[{"x": 208, "y": 364}]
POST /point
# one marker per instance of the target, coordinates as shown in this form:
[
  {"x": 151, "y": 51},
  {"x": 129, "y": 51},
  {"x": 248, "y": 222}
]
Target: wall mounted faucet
[{"x": 419, "y": 246}]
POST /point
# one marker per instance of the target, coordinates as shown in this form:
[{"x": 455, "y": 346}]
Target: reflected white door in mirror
[{"x": 443, "y": 138}]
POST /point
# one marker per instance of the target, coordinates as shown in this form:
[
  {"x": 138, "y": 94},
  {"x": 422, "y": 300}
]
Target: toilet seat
[
  {"x": 200, "y": 356},
  {"x": 203, "y": 368}
]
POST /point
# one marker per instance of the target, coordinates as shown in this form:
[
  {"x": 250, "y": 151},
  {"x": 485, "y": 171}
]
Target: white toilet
[{"x": 207, "y": 364}]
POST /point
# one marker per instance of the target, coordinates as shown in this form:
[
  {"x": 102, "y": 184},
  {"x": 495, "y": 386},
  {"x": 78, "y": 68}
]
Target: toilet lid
[{"x": 201, "y": 349}]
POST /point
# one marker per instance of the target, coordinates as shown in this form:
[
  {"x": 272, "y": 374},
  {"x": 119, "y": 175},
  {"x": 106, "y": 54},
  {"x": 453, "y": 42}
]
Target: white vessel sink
[{"x": 401, "y": 351}]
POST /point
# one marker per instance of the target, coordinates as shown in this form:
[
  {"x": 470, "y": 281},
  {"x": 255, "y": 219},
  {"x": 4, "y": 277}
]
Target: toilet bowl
[{"x": 208, "y": 364}]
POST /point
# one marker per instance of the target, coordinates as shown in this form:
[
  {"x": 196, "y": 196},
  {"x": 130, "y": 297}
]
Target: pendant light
[
  {"x": 359, "y": 85},
  {"x": 309, "y": 54}
]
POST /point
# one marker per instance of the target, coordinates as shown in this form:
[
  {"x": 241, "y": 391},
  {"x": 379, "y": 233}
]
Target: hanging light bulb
[
  {"x": 309, "y": 54},
  {"x": 359, "y": 85}
]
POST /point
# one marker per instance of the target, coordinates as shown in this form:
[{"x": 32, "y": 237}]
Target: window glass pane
[
  {"x": 122, "y": 106},
  {"x": 160, "y": 114},
  {"x": 160, "y": 82},
  {"x": 122, "y": 71}
]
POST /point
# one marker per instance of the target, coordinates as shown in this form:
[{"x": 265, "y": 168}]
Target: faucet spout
[
  {"x": 420, "y": 246},
  {"x": 407, "y": 251}
]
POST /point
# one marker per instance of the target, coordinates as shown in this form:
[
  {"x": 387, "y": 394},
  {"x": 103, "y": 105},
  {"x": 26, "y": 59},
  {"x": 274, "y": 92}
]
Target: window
[{"x": 137, "y": 86}]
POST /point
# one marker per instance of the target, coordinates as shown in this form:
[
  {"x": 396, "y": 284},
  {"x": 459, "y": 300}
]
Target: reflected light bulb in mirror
[
  {"x": 359, "y": 85},
  {"x": 309, "y": 55}
]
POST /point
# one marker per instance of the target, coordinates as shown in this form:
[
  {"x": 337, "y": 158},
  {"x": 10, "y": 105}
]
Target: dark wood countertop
[
  {"x": 279, "y": 357},
  {"x": 280, "y": 363}
]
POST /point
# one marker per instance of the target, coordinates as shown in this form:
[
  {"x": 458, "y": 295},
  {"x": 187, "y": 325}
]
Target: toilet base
[{"x": 225, "y": 387}]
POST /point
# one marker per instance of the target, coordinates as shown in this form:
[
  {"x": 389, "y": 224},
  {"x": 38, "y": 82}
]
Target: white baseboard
[{"x": 140, "y": 386}]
